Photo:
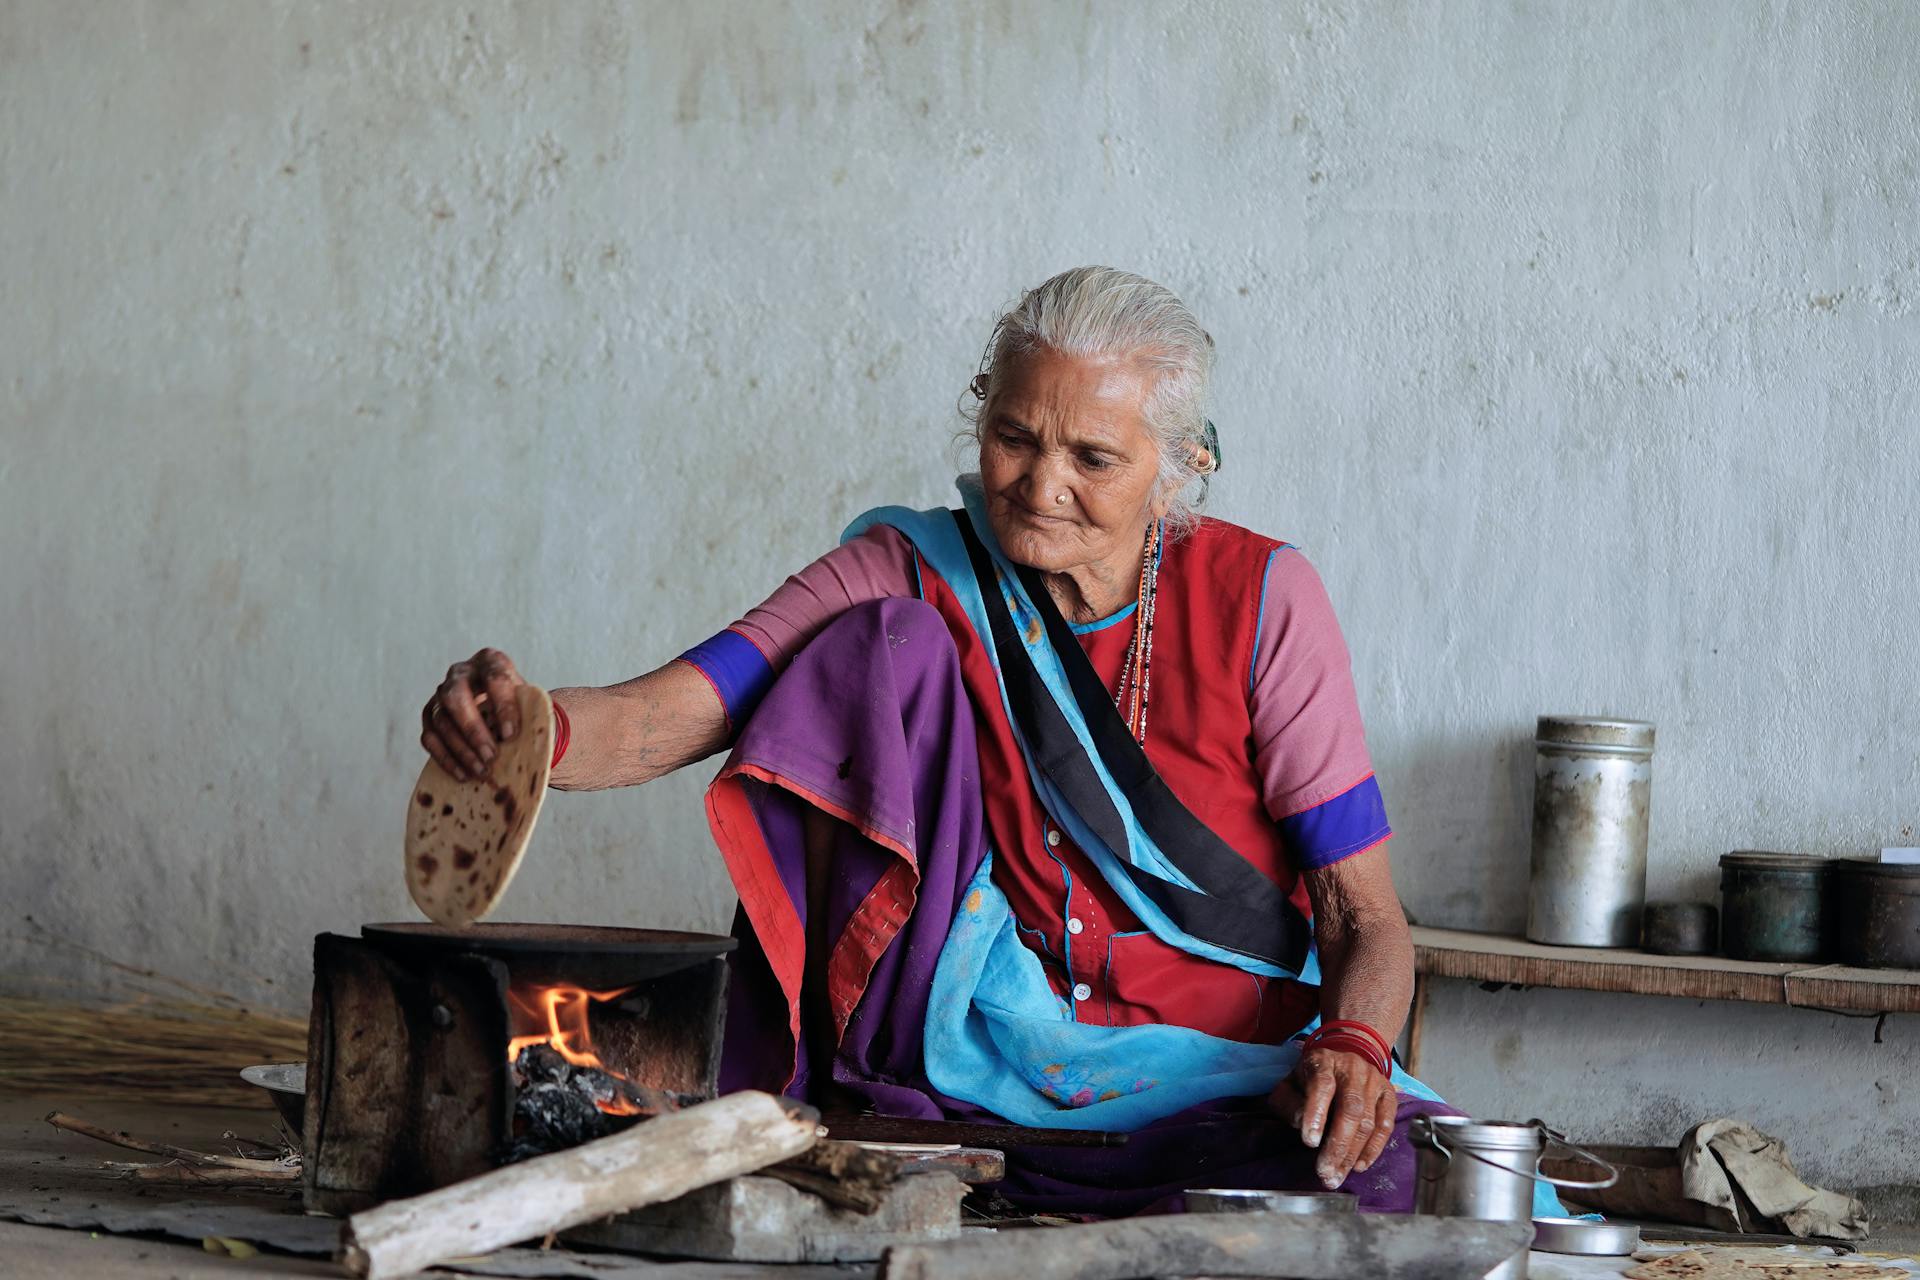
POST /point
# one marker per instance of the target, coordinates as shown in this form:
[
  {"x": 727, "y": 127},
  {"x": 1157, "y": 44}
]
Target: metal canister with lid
[
  {"x": 1592, "y": 796},
  {"x": 1876, "y": 913},
  {"x": 1773, "y": 906}
]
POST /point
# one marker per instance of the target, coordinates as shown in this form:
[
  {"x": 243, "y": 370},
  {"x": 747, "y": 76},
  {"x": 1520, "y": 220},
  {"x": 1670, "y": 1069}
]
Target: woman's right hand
[{"x": 475, "y": 708}]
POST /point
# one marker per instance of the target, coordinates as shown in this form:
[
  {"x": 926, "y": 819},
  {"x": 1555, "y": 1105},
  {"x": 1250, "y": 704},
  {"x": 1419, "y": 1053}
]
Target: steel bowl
[
  {"x": 286, "y": 1084},
  {"x": 1592, "y": 1239},
  {"x": 1235, "y": 1200}
]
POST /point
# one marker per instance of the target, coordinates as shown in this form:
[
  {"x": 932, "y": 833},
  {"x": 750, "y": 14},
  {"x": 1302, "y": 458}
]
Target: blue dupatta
[{"x": 996, "y": 1034}]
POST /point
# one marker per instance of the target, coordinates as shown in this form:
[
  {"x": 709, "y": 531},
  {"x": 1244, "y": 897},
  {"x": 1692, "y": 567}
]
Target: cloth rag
[{"x": 1732, "y": 1166}]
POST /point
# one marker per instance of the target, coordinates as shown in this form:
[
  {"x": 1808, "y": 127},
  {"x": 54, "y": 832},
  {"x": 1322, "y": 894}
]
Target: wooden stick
[
  {"x": 843, "y": 1173},
  {"x": 186, "y": 1174},
  {"x": 658, "y": 1160},
  {"x": 203, "y": 1159},
  {"x": 997, "y": 1137}
]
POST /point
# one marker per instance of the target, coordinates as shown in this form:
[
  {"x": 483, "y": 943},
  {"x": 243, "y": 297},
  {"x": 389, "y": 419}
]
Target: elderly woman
[{"x": 1054, "y": 810}]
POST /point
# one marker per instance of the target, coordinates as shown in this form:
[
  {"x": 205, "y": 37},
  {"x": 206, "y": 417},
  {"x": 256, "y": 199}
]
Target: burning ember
[
  {"x": 564, "y": 1094},
  {"x": 558, "y": 1018}
]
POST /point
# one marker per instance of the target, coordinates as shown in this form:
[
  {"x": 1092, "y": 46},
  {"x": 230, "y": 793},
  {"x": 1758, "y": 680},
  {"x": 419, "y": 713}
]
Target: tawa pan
[{"x": 589, "y": 955}]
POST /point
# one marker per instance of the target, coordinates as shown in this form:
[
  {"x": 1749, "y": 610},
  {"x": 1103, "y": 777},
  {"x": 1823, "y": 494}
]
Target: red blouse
[{"x": 1253, "y": 724}]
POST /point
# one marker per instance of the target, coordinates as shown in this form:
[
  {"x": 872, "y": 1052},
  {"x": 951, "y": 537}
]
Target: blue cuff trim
[
  {"x": 738, "y": 670},
  {"x": 1338, "y": 828}
]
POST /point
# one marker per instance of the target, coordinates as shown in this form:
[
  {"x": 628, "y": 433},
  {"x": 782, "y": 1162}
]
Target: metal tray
[
  {"x": 1593, "y": 1239},
  {"x": 1236, "y": 1200}
]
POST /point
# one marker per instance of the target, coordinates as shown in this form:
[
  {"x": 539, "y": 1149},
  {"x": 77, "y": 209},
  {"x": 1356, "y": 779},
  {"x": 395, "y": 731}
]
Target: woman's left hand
[{"x": 1341, "y": 1104}]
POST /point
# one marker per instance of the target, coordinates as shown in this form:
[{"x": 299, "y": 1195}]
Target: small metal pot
[
  {"x": 1486, "y": 1169},
  {"x": 1680, "y": 928},
  {"x": 1773, "y": 906},
  {"x": 1876, "y": 913}
]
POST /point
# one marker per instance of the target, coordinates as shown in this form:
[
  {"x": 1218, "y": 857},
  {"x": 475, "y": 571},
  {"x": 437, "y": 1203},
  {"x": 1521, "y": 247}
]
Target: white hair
[{"x": 1102, "y": 311}]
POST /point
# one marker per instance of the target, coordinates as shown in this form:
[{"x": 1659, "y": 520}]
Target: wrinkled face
[{"x": 1068, "y": 461}]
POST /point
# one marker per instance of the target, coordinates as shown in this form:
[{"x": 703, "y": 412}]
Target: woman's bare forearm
[
  {"x": 1368, "y": 977},
  {"x": 638, "y": 730},
  {"x": 1366, "y": 952}
]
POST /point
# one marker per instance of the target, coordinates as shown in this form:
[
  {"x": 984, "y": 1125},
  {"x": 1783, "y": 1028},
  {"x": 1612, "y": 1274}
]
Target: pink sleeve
[
  {"x": 1310, "y": 748},
  {"x": 876, "y": 565}
]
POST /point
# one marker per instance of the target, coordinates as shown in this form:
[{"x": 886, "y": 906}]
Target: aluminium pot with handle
[{"x": 1487, "y": 1169}]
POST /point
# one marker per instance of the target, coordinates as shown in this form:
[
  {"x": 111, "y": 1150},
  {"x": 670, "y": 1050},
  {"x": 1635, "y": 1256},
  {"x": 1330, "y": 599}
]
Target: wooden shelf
[{"x": 1490, "y": 957}]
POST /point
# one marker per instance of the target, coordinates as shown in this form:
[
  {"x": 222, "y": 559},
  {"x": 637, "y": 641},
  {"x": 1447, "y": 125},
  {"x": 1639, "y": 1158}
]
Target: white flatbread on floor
[
  {"x": 1761, "y": 1264},
  {"x": 465, "y": 839}
]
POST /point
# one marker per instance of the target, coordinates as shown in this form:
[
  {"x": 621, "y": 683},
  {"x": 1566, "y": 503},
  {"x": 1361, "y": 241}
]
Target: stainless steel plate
[
  {"x": 1235, "y": 1200},
  {"x": 281, "y": 1077},
  {"x": 1593, "y": 1239},
  {"x": 286, "y": 1084}
]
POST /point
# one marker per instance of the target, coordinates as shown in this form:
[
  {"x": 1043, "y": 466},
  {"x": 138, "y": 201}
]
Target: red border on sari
[{"x": 776, "y": 921}]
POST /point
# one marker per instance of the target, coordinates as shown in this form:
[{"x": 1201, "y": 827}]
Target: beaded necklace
[{"x": 1136, "y": 674}]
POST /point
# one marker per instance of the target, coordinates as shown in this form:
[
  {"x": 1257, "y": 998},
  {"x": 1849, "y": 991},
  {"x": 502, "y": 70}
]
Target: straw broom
[
  {"x": 185, "y": 1047},
  {"x": 142, "y": 1050}
]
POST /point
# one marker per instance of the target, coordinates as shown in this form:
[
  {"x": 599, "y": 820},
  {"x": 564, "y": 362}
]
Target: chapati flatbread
[
  {"x": 464, "y": 839},
  {"x": 1759, "y": 1264}
]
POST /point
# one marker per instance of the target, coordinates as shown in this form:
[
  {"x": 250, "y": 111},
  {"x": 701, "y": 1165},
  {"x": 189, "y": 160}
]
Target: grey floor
[{"x": 62, "y": 1214}]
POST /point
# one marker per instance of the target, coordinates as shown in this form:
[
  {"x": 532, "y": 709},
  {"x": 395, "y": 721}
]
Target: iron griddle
[{"x": 586, "y": 954}]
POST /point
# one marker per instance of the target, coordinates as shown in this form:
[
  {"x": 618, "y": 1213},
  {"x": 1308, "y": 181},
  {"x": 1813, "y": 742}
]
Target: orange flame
[{"x": 558, "y": 1016}]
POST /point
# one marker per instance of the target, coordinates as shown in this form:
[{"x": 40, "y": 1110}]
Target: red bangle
[
  {"x": 1348, "y": 1024},
  {"x": 1359, "y": 1046},
  {"x": 562, "y": 734},
  {"x": 1336, "y": 1036}
]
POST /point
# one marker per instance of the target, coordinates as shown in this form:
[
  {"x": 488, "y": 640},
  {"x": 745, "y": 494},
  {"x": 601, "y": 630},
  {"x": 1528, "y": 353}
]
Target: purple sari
[{"x": 859, "y": 767}]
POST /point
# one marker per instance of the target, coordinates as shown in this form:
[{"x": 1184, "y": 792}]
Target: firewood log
[
  {"x": 1382, "y": 1246},
  {"x": 652, "y": 1162}
]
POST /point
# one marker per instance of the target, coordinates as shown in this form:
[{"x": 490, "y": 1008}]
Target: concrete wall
[{"x": 1576, "y": 343}]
